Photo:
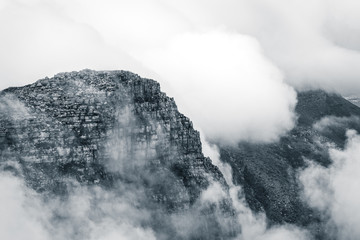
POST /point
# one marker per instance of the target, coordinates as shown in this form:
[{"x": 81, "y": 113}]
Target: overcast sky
[
  {"x": 230, "y": 64},
  {"x": 314, "y": 43}
]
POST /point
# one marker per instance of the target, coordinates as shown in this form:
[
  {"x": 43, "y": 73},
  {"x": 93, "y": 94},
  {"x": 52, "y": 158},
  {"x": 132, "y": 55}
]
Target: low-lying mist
[
  {"x": 333, "y": 190},
  {"x": 254, "y": 225}
]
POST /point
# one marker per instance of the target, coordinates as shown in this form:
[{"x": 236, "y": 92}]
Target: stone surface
[{"x": 109, "y": 128}]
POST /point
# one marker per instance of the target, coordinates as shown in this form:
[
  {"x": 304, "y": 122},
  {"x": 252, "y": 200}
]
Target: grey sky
[{"x": 315, "y": 44}]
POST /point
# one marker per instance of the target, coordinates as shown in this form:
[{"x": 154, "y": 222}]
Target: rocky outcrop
[{"x": 109, "y": 128}]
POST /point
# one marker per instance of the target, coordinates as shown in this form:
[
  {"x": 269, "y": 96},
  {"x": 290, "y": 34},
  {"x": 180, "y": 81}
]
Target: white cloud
[
  {"x": 315, "y": 43},
  {"x": 39, "y": 39},
  {"x": 332, "y": 121},
  {"x": 88, "y": 213},
  {"x": 17, "y": 220},
  {"x": 226, "y": 86},
  {"x": 334, "y": 190},
  {"x": 214, "y": 193}
]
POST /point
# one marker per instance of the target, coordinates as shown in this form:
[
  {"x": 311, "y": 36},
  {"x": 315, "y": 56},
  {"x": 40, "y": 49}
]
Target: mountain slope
[
  {"x": 268, "y": 172},
  {"x": 354, "y": 99},
  {"x": 116, "y": 131}
]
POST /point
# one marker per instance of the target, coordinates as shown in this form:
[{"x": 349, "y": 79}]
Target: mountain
[
  {"x": 114, "y": 130},
  {"x": 112, "y": 141},
  {"x": 354, "y": 99},
  {"x": 268, "y": 172}
]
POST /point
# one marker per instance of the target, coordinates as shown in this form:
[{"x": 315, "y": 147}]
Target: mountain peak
[{"x": 316, "y": 104}]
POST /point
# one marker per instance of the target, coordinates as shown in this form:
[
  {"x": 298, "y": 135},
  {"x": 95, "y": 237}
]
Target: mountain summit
[{"x": 117, "y": 131}]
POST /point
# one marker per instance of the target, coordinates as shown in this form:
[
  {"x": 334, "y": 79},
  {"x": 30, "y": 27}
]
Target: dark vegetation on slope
[{"x": 268, "y": 172}]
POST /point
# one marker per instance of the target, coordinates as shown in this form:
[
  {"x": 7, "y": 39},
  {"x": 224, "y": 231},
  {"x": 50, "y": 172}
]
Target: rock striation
[{"x": 108, "y": 128}]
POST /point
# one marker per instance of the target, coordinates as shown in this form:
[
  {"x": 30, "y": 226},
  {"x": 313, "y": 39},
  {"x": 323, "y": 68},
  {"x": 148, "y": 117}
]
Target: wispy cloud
[
  {"x": 333, "y": 190},
  {"x": 253, "y": 225}
]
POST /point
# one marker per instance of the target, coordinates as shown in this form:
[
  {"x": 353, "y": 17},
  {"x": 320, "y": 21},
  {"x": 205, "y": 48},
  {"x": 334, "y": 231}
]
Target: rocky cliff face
[{"x": 112, "y": 129}]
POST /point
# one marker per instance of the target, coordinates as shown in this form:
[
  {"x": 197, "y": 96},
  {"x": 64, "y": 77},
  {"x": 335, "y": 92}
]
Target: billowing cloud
[
  {"x": 226, "y": 86},
  {"x": 18, "y": 220},
  {"x": 39, "y": 39},
  {"x": 334, "y": 190},
  {"x": 331, "y": 121},
  {"x": 88, "y": 213},
  {"x": 316, "y": 44}
]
